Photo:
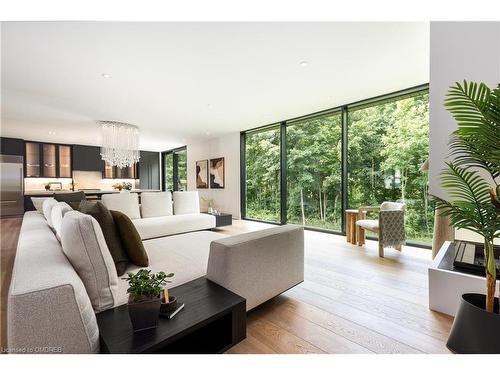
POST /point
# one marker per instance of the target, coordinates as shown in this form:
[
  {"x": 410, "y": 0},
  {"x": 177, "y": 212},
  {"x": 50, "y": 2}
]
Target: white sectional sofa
[
  {"x": 49, "y": 306},
  {"x": 159, "y": 215}
]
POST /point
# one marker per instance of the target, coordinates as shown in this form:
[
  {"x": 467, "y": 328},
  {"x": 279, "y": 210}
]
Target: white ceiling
[{"x": 184, "y": 82}]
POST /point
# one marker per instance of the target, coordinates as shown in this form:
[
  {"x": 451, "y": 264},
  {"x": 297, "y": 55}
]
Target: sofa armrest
[
  {"x": 258, "y": 265},
  {"x": 52, "y": 320}
]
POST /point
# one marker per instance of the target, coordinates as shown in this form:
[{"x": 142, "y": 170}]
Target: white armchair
[{"x": 390, "y": 225}]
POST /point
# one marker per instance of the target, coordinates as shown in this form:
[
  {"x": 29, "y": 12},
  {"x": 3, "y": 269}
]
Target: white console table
[{"x": 446, "y": 286}]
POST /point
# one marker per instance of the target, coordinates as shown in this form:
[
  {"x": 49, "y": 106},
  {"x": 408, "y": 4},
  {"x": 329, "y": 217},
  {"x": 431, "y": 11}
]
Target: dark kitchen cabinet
[
  {"x": 87, "y": 158},
  {"x": 149, "y": 170},
  {"x": 11, "y": 146},
  {"x": 32, "y": 159},
  {"x": 115, "y": 172},
  {"x": 47, "y": 160},
  {"x": 64, "y": 161}
]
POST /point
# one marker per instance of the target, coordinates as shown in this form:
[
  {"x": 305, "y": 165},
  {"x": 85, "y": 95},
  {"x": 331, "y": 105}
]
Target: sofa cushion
[
  {"x": 84, "y": 245},
  {"x": 186, "y": 202},
  {"x": 125, "y": 202},
  {"x": 73, "y": 199},
  {"x": 47, "y": 209},
  {"x": 186, "y": 255},
  {"x": 38, "y": 203},
  {"x": 131, "y": 239},
  {"x": 57, "y": 214},
  {"x": 152, "y": 227},
  {"x": 110, "y": 231},
  {"x": 156, "y": 204}
]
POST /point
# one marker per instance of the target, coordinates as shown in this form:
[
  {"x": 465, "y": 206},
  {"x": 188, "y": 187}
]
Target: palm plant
[{"x": 471, "y": 177}]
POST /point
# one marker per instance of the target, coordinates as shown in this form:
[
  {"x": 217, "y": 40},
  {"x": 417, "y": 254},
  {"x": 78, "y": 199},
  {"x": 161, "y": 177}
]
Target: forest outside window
[
  {"x": 379, "y": 145},
  {"x": 174, "y": 165}
]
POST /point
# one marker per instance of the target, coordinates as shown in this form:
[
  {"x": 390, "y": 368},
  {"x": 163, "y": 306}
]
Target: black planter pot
[
  {"x": 475, "y": 331},
  {"x": 144, "y": 314}
]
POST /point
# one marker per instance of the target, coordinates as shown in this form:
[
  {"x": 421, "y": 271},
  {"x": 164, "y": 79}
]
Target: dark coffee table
[
  {"x": 212, "y": 321},
  {"x": 221, "y": 219}
]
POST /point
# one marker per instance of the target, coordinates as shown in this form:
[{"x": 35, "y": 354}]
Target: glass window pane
[
  {"x": 387, "y": 144},
  {"x": 314, "y": 154},
  {"x": 182, "y": 170},
  {"x": 168, "y": 171},
  {"x": 262, "y": 153}
]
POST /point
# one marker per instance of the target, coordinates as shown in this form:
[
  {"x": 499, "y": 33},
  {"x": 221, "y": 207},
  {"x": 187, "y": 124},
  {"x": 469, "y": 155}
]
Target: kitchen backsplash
[
  {"x": 94, "y": 180},
  {"x": 81, "y": 180},
  {"x": 34, "y": 184}
]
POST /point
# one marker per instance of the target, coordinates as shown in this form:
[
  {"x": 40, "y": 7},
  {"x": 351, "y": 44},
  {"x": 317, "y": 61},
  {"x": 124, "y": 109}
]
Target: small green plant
[{"x": 146, "y": 285}]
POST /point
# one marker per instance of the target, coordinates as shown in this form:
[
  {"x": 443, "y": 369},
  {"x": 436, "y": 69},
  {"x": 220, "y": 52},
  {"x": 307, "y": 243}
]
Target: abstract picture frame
[
  {"x": 217, "y": 173},
  {"x": 202, "y": 174}
]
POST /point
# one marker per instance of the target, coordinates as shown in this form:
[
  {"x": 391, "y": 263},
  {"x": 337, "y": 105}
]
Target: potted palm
[
  {"x": 144, "y": 297},
  {"x": 470, "y": 180}
]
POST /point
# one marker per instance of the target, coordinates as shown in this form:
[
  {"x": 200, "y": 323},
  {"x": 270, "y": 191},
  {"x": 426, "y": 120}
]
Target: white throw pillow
[
  {"x": 156, "y": 204},
  {"x": 47, "y": 209},
  {"x": 57, "y": 214},
  {"x": 186, "y": 202},
  {"x": 38, "y": 203},
  {"x": 84, "y": 245},
  {"x": 125, "y": 202}
]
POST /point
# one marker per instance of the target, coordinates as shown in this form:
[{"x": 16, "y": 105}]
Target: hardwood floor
[{"x": 351, "y": 301}]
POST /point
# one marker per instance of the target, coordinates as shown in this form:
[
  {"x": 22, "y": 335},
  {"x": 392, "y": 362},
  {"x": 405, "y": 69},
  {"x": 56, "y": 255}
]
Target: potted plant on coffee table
[
  {"x": 470, "y": 180},
  {"x": 144, "y": 297}
]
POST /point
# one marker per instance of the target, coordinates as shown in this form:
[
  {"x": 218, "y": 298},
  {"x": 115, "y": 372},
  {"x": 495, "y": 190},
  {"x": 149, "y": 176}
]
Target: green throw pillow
[
  {"x": 131, "y": 239},
  {"x": 111, "y": 234}
]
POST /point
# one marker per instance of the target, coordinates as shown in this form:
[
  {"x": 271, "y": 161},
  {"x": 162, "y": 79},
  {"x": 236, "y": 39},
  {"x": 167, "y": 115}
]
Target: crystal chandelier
[{"x": 120, "y": 143}]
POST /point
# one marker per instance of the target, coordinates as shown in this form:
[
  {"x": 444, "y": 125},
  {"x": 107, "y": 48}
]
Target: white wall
[
  {"x": 458, "y": 51},
  {"x": 227, "y": 200}
]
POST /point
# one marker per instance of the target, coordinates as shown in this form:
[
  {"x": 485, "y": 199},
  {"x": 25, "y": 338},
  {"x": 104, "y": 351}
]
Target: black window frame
[
  {"x": 175, "y": 167},
  {"x": 344, "y": 109}
]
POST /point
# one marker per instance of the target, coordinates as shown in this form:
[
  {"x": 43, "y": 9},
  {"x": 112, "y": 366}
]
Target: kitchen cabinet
[
  {"x": 65, "y": 161},
  {"x": 49, "y": 157},
  {"x": 11, "y": 146},
  {"x": 115, "y": 172},
  {"x": 47, "y": 160},
  {"x": 32, "y": 159},
  {"x": 149, "y": 170},
  {"x": 87, "y": 158}
]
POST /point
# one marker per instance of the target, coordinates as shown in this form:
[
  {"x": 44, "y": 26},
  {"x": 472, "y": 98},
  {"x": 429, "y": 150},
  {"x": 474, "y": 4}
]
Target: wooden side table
[{"x": 351, "y": 215}]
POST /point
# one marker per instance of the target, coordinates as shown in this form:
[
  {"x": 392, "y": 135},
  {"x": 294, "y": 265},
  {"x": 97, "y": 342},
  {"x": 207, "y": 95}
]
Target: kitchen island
[{"x": 90, "y": 194}]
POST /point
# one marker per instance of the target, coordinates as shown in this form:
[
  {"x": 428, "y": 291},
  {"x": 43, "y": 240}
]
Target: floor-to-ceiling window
[
  {"x": 181, "y": 170},
  {"x": 388, "y": 142},
  {"x": 313, "y": 159},
  {"x": 378, "y": 145},
  {"x": 175, "y": 170},
  {"x": 262, "y": 181}
]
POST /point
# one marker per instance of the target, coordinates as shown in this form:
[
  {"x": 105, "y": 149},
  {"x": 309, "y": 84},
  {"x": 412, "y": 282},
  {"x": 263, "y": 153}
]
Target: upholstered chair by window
[{"x": 390, "y": 225}]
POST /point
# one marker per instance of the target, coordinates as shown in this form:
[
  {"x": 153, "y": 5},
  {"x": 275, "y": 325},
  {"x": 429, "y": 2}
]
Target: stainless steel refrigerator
[{"x": 11, "y": 185}]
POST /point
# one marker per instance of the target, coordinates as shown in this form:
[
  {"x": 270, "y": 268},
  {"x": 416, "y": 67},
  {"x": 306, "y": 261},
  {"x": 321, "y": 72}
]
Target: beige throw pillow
[{"x": 84, "y": 245}]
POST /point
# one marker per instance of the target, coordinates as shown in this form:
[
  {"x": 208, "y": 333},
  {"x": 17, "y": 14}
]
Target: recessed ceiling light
[
  {"x": 303, "y": 63},
  {"x": 106, "y": 75},
  {"x": 52, "y": 132}
]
